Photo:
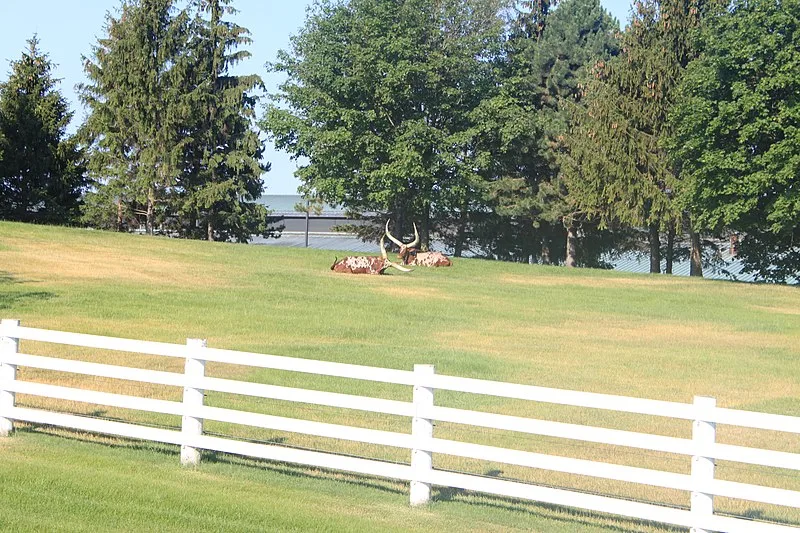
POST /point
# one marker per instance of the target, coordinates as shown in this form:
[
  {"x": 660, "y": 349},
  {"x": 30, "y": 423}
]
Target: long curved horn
[
  {"x": 398, "y": 267},
  {"x": 391, "y": 264},
  {"x": 398, "y": 243},
  {"x": 416, "y": 238}
]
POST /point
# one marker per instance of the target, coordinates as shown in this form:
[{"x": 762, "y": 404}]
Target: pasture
[{"x": 644, "y": 336}]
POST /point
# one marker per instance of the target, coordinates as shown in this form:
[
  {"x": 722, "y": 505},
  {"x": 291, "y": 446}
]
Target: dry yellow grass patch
[
  {"x": 778, "y": 310},
  {"x": 648, "y": 282},
  {"x": 585, "y": 333},
  {"x": 54, "y": 261},
  {"x": 423, "y": 293}
]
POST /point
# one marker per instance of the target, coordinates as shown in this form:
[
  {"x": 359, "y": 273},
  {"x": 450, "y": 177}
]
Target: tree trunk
[
  {"x": 461, "y": 231},
  {"x": 570, "y": 260},
  {"x": 119, "y": 214},
  {"x": 150, "y": 211},
  {"x": 210, "y": 230},
  {"x": 696, "y": 268},
  {"x": 425, "y": 236},
  {"x": 670, "y": 250},
  {"x": 545, "y": 253},
  {"x": 655, "y": 250}
]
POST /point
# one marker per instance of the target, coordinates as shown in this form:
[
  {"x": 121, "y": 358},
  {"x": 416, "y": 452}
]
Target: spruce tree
[
  {"x": 546, "y": 55},
  {"x": 138, "y": 107},
  {"x": 619, "y": 170},
  {"x": 41, "y": 172},
  {"x": 222, "y": 178}
]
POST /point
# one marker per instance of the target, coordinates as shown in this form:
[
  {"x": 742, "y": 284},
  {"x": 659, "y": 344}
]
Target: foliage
[
  {"x": 137, "y": 104},
  {"x": 41, "y": 169},
  {"x": 737, "y": 133},
  {"x": 378, "y": 100},
  {"x": 222, "y": 179},
  {"x": 522, "y": 126},
  {"x": 617, "y": 167},
  {"x": 170, "y": 128}
]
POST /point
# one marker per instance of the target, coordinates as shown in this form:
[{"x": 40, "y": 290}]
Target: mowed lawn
[{"x": 645, "y": 336}]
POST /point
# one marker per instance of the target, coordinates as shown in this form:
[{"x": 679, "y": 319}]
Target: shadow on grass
[
  {"x": 11, "y": 298},
  {"x": 569, "y": 516}
]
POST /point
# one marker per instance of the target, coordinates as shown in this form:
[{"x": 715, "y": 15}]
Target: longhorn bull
[
  {"x": 409, "y": 255},
  {"x": 366, "y": 264}
]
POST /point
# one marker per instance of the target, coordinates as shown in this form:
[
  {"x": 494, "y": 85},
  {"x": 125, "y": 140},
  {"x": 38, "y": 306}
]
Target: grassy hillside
[{"x": 647, "y": 336}]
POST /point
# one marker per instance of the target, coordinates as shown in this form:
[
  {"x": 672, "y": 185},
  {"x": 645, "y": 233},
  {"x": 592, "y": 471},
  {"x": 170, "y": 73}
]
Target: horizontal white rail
[
  {"x": 702, "y": 447},
  {"x": 97, "y": 398},
  {"x": 276, "y": 362},
  {"x": 332, "y": 399},
  {"x": 250, "y": 449},
  {"x": 274, "y": 392},
  {"x": 156, "y": 377},
  {"x": 563, "y": 397},
  {"x": 755, "y": 420}
]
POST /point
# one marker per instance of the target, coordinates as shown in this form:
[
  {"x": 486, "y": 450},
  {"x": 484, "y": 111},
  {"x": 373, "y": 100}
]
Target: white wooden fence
[{"x": 702, "y": 448}]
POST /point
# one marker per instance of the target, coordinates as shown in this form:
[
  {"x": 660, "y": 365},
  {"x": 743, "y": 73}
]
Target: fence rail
[{"x": 702, "y": 447}]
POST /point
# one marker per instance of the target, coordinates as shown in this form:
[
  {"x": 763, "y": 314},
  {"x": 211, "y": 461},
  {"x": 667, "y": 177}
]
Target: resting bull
[
  {"x": 409, "y": 255},
  {"x": 366, "y": 264}
]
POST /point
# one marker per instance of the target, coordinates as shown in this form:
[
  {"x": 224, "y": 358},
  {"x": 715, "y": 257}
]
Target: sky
[{"x": 67, "y": 29}]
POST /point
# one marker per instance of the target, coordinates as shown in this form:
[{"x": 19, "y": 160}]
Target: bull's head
[
  {"x": 407, "y": 251},
  {"x": 409, "y": 255}
]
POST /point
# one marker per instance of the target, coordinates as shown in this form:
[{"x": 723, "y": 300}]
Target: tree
[
  {"x": 545, "y": 58},
  {"x": 138, "y": 104},
  {"x": 222, "y": 178},
  {"x": 618, "y": 168},
  {"x": 378, "y": 100},
  {"x": 41, "y": 169},
  {"x": 736, "y": 138}
]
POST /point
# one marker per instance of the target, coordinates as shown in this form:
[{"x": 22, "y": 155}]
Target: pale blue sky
[{"x": 67, "y": 29}]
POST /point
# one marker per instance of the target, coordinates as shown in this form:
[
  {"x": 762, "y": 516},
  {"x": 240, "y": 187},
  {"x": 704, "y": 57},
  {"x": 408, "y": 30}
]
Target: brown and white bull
[
  {"x": 366, "y": 264},
  {"x": 409, "y": 255}
]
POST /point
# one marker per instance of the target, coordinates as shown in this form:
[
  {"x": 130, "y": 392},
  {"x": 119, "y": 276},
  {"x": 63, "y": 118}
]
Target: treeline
[
  {"x": 534, "y": 132},
  {"x": 169, "y": 139},
  {"x": 518, "y": 130}
]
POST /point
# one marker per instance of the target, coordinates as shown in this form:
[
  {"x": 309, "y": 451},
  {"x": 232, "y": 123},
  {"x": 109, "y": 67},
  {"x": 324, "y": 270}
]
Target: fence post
[
  {"x": 421, "y": 431},
  {"x": 8, "y": 372},
  {"x": 192, "y": 397},
  {"x": 704, "y": 435}
]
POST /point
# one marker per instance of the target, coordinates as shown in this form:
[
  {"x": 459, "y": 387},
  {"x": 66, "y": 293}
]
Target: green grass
[{"x": 645, "y": 336}]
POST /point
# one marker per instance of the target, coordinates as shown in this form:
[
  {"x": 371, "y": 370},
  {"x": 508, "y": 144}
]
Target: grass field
[{"x": 645, "y": 336}]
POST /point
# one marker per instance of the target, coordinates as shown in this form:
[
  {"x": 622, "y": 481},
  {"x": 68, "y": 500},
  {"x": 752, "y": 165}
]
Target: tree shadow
[
  {"x": 568, "y": 516},
  {"x": 12, "y": 298}
]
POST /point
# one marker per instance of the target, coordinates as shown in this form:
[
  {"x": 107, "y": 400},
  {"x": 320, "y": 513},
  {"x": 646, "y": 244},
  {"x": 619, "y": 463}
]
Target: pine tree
[
  {"x": 222, "y": 178},
  {"x": 619, "y": 168},
  {"x": 138, "y": 107},
  {"x": 41, "y": 172},
  {"x": 546, "y": 55}
]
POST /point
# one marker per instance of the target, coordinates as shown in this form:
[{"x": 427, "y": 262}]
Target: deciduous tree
[
  {"x": 737, "y": 133},
  {"x": 379, "y": 100}
]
